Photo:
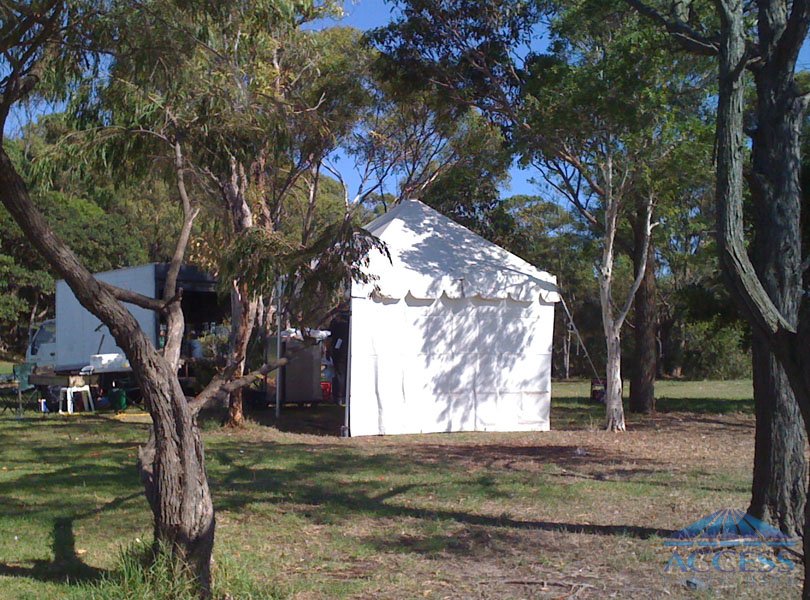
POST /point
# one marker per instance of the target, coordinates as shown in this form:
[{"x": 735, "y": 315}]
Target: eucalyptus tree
[
  {"x": 48, "y": 41},
  {"x": 256, "y": 101},
  {"x": 764, "y": 39},
  {"x": 592, "y": 114},
  {"x": 48, "y": 47}
]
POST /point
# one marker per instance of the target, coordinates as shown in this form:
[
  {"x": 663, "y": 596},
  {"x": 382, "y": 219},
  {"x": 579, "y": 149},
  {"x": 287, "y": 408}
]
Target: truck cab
[{"x": 41, "y": 349}]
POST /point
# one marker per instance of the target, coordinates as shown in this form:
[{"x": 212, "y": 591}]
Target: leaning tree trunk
[
  {"x": 642, "y": 383},
  {"x": 173, "y": 462}
]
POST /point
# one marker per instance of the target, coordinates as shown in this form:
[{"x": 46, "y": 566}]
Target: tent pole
[
  {"x": 344, "y": 431},
  {"x": 278, "y": 350}
]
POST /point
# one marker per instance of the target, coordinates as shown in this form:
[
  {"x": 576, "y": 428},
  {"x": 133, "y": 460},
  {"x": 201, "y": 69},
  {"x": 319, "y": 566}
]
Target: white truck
[{"x": 77, "y": 339}]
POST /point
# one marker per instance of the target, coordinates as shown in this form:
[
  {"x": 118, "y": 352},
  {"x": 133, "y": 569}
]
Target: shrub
[{"x": 715, "y": 350}]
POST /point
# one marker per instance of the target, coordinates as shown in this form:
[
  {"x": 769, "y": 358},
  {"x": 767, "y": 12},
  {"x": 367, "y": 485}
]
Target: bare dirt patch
[{"x": 531, "y": 515}]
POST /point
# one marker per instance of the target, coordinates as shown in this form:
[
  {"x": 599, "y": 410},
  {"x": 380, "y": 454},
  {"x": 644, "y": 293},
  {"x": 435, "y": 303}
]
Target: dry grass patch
[{"x": 574, "y": 512}]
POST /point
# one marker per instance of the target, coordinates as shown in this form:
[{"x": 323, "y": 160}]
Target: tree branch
[
  {"x": 793, "y": 36},
  {"x": 645, "y": 248},
  {"x": 685, "y": 35},
  {"x": 135, "y": 298},
  {"x": 220, "y": 385},
  {"x": 189, "y": 214}
]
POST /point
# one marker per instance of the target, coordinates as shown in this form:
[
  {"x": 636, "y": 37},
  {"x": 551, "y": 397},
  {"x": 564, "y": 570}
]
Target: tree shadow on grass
[
  {"x": 318, "y": 419},
  {"x": 67, "y": 565},
  {"x": 578, "y": 413},
  {"x": 318, "y": 482},
  {"x": 474, "y": 540}
]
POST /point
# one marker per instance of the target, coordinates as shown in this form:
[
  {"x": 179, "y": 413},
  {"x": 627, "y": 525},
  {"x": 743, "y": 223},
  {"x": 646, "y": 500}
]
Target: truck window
[{"x": 46, "y": 334}]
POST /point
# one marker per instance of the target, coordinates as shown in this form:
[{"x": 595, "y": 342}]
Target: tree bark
[
  {"x": 612, "y": 321},
  {"x": 642, "y": 384},
  {"x": 243, "y": 306},
  {"x": 173, "y": 462},
  {"x": 780, "y": 467},
  {"x": 172, "y": 467},
  {"x": 243, "y": 315},
  {"x": 786, "y": 339},
  {"x": 782, "y": 28},
  {"x": 611, "y": 324},
  {"x": 567, "y": 351},
  {"x": 613, "y": 390}
]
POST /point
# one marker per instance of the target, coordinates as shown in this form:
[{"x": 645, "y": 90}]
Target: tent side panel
[
  {"x": 513, "y": 382},
  {"x": 424, "y": 365},
  {"x": 371, "y": 379}
]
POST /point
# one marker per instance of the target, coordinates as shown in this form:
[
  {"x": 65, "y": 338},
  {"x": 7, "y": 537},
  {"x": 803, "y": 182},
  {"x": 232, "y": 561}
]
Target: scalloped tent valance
[{"x": 431, "y": 256}]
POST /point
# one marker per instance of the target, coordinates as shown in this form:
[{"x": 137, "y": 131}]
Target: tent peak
[{"x": 432, "y": 255}]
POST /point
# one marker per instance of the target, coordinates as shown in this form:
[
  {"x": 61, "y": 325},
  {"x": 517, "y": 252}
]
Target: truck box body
[{"x": 80, "y": 335}]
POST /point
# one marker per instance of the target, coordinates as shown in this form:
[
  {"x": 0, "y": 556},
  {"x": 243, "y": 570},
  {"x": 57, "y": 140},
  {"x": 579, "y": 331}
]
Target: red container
[{"x": 326, "y": 391}]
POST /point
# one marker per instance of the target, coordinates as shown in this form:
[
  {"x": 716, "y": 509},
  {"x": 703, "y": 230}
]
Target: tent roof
[{"x": 432, "y": 255}]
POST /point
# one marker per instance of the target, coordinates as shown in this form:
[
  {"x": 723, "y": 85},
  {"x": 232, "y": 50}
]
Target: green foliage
[
  {"x": 469, "y": 190},
  {"x": 311, "y": 274},
  {"x": 89, "y": 217},
  {"x": 609, "y": 90},
  {"x": 439, "y": 45},
  {"x": 255, "y": 102},
  {"x": 603, "y": 113},
  {"x": 716, "y": 350}
]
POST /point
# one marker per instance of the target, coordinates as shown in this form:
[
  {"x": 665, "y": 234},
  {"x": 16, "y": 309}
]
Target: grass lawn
[
  {"x": 574, "y": 511},
  {"x": 572, "y": 407},
  {"x": 5, "y": 367}
]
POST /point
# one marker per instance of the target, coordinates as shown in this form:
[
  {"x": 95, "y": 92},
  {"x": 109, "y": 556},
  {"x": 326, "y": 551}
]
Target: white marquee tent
[{"x": 455, "y": 337}]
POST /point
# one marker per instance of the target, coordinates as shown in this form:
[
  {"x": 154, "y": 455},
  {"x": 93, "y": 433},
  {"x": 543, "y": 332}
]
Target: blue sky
[{"x": 367, "y": 14}]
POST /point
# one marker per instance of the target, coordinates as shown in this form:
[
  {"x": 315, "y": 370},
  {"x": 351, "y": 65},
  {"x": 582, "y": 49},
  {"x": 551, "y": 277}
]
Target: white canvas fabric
[
  {"x": 454, "y": 334},
  {"x": 432, "y": 255}
]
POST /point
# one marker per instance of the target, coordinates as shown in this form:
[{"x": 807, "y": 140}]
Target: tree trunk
[
  {"x": 786, "y": 340},
  {"x": 243, "y": 315},
  {"x": 780, "y": 467},
  {"x": 172, "y": 468},
  {"x": 642, "y": 384},
  {"x": 173, "y": 462},
  {"x": 243, "y": 306},
  {"x": 613, "y": 390},
  {"x": 567, "y": 352}
]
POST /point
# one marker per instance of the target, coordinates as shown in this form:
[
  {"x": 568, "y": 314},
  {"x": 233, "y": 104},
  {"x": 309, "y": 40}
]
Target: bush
[
  {"x": 142, "y": 575},
  {"x": 715, "y": 350}
]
